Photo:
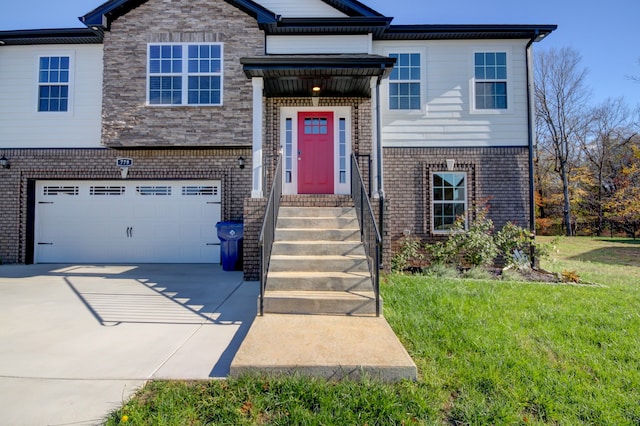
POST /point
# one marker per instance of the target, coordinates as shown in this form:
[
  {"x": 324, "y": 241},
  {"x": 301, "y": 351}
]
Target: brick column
[{"x": 254, "y": 209}]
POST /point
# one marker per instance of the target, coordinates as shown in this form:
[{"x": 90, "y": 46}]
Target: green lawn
[{"x": 488, "y": 352}]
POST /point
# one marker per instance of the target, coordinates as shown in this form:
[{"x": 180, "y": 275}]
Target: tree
[
  {"x": 612, "y": 130},
  {"x": 624, "y": 206},
  {"x": 561, "y": 105}
]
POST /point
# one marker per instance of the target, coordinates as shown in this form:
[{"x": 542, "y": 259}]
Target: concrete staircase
[{"x": 318, "y": 264}]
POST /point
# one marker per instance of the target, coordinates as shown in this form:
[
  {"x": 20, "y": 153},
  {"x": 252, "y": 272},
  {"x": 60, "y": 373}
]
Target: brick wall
[
  {"x": 497, "y": 178},
  {"x": 36, "y": 164},
  {"x": 128, "y": 122},
  {"x": 254, "y": 209}
]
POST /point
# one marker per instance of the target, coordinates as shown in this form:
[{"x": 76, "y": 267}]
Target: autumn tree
[
  {"x": 561, "y": 104},
  {"x": 612, "y": 129},
  {"x": 624, "y": 205}
]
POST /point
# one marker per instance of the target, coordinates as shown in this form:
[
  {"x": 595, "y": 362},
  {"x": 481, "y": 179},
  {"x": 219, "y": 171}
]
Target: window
[
  {"x": 343, "y": 150},
  {"x": 185, "y": 74},
  {"x": 404, "y": 82},
  {"x": 288, "y": 151},
  {"x": 449, "y": 199},
  {"x": 315, "y": 126},
  {"x": 53, "y": 84},
  {"x": 491, "y": 80}
]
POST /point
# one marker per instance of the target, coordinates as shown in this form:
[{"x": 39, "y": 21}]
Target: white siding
[
  {"x": 318, "y": 44},
  {"x": 22, "y": 126},
  {"x": 447, "y": 117},
  {"x": 301, "y": 8}
]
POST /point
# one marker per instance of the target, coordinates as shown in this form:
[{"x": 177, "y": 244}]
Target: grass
[{"x": 488, "y": 352}]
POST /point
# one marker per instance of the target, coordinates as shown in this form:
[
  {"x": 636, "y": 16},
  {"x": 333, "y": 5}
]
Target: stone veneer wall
[
  {"x": 497, "y": 178},
  {"x": 38, "y": 164},
  {"x": 129, "y": 122}
]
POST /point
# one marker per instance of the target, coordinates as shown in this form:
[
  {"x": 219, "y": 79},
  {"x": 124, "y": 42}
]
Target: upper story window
[
  {"x": 404, "y": 82},
  {"x": 53, "y": 84},
  {"x": 449, "y": 199},
  {"x": 185, "y": 74},
  {"x": 491, "y": 80}
]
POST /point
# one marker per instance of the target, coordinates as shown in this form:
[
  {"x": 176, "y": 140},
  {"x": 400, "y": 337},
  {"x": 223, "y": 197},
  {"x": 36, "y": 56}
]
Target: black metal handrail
[
  {"x": 268, "y": 232},
  {"x": 369, "y": 232}
]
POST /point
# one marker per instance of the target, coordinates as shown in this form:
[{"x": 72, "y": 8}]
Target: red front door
[{"x": 315, "y": 153}]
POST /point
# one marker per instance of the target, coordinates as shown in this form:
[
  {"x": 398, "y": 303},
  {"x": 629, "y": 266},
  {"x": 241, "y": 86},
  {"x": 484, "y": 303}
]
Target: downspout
[
  {"x": 379, "y": 165},
  {"x": 531, "y": 130}
]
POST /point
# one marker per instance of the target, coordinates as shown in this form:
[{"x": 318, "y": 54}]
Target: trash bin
[{"x": 230, "y": 235}]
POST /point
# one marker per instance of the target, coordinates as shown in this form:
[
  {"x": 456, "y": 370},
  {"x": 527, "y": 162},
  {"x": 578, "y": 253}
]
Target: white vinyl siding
[
  {"x": 301, "y": 9},
  {"x": 448, "y": 117},
  {"x": 289, "y": 45},
  {"x": 22, "y": 126}
]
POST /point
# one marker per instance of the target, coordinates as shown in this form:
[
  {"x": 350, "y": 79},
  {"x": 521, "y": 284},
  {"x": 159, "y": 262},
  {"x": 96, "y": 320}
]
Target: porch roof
[{"x": 336, "y": 75}]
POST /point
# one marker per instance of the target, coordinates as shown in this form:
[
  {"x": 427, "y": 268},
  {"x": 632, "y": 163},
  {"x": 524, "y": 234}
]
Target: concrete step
[
  {"x": 320, "y": 281},
  {"x": 319, "y": 302},
  {"x": 306, "y": 234},
  {"x": 318, "y": 248},
  {"x": 346, "y": 212},
  {"x": 316, "y": 222},
  {"x": 332, "y": 347},
  {"x": 288, "y": 263}
]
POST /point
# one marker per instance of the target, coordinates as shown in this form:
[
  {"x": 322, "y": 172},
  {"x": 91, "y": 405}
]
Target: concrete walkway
[
  {"x": 333, "y": 347},
  {"x": 77, "y": 341}
]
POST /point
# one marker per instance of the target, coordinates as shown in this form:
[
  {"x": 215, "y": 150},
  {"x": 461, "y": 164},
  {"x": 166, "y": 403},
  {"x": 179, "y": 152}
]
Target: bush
[
  {"x": 408, "y": 254},
  {"x": 514, "y": 244},
  {"x": 473, "y": 247},
  {"x": 438, "y": 270}
]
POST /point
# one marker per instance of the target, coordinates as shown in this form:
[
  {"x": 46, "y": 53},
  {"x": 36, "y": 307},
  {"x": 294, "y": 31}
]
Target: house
[{"x": 127, "y": 140}]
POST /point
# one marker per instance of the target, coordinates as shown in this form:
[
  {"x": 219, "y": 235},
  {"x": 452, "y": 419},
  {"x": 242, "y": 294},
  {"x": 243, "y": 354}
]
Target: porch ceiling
[{"x": 336, "y": 75}]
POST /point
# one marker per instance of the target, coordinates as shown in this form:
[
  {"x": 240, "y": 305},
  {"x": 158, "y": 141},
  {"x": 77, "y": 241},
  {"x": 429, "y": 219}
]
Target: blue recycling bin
[{"x": 230, "y": 235}]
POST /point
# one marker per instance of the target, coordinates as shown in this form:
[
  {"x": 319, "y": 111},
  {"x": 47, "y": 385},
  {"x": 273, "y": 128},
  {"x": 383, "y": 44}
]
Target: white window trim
[
  {"x": 433, "y": 203},
  {"x": 48, "y": 54},
  {"x": 384, "y": 95},
  {"x": 510, "y": 82},
  {"x": 185, "y": 75},
  {"x": 338, "y": 113}
]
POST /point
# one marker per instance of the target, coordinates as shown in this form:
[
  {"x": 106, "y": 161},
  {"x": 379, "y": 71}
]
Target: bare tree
[
  {"x": 561, "y": 107},
  {"x": 612, "y": 129}
]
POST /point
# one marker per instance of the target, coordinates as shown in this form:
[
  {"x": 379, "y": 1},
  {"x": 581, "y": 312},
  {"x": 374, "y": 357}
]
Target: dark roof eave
[
  {"x": 352, "y": 25},
  {"x": 453, "y": 32},
  {"x": 353, "y": 8},
  {"x": 51, "y": 36},
  {"x": 372, "y": 65},
  {"x": 103, "y": 15}
]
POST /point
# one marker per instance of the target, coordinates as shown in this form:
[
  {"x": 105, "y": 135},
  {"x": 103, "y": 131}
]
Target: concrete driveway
[{"x": 77, "y": 341}]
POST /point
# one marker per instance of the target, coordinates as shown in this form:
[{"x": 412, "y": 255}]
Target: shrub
[
  {"x": 478, "y": 273},
  {"x": 570, "y": 277},
  {"x": 475, "y": 246},
  {"x": 514, "y": 243},
  {"x": 439, "y": 270},
  {"x": 408, "y": 254}
]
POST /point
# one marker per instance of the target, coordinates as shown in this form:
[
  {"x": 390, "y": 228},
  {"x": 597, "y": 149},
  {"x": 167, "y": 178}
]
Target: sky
[{"x": 605, "y": 33}]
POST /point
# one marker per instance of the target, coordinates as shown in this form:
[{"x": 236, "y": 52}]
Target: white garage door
[{"x": 127, "y": 221}]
